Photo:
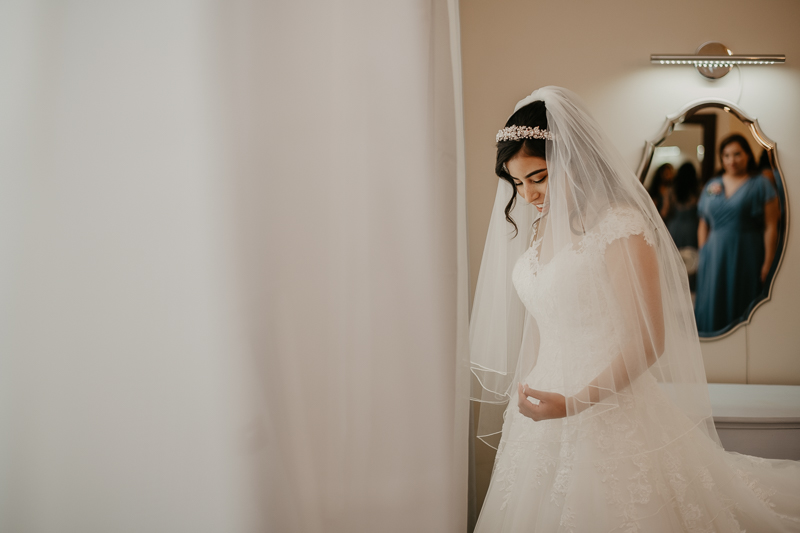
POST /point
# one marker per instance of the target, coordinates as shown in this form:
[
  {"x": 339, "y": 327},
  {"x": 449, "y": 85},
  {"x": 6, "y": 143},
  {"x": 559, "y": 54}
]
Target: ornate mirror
[{"x": 715, "y": 178}]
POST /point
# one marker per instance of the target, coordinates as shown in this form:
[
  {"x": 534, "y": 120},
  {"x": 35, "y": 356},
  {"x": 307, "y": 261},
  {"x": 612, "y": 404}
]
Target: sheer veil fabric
[{"x": 591, "y": 300}]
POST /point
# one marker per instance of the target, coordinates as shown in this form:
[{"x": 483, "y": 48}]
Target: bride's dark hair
[{"x": 531, "y": 115}]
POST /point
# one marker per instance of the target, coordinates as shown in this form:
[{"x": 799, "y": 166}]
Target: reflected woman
[
  {"x": 660, "y": 189},
  {"x": 683, "y": 221},
  {"x": 737, "y": 235}
]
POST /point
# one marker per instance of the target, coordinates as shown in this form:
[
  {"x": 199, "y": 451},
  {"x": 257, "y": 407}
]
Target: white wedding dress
[{"x": 643, "y": 466}]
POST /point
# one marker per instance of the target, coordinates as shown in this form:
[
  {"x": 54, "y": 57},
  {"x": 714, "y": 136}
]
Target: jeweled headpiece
[{"x": 516, "y": 133}]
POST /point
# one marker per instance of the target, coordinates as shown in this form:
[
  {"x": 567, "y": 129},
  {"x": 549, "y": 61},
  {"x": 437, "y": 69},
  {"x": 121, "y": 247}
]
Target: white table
[{"x": 760, "y": 420}]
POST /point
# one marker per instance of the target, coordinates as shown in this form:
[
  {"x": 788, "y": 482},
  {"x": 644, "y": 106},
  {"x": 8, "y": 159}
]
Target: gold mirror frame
[{"x": 767, "y": 144}]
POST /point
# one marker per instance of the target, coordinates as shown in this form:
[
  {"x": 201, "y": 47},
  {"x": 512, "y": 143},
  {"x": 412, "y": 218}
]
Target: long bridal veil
[{"x": 654, "y": 330}]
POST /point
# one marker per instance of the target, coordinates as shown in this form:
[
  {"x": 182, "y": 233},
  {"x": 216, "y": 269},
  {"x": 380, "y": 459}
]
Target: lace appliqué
[
  {"x": 509, "y": 463},
  {"x": 617, "y": 224},
  {"x": 634, "y": 473},
  {"x": 761, "y": 493},
  {"x": 619, "y": 440},
  {"x": 685, "y": 487}
]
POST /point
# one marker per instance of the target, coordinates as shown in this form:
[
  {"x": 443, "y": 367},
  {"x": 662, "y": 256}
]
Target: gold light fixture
[{"x": 713, "y": 60}]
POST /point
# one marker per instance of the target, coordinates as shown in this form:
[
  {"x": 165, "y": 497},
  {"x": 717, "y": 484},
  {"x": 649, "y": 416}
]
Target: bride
[{"x": 582, "y": 314}]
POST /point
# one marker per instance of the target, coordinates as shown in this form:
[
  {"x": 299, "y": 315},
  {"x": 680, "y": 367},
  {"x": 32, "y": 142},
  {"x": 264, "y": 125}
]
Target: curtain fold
[{"x": 235, "y": 267}]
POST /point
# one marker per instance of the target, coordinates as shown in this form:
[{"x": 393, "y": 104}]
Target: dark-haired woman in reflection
[
  {"x": 661, "y": 188},
  {"x": 737, "y": 235},
  {"x": 765, "y": 167},
  {"x": 683, "y": 221}
]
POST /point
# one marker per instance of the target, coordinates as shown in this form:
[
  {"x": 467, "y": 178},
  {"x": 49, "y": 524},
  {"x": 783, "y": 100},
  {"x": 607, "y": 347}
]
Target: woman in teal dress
[{"x": 737, "y": 235}]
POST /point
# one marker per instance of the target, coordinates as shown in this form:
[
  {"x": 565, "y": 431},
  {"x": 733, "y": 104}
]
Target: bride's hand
[{"x": 551, "y": 404}]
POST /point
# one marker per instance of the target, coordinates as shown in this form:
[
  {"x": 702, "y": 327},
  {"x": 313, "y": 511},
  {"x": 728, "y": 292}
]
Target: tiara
[{"x": 515, "y": 133}]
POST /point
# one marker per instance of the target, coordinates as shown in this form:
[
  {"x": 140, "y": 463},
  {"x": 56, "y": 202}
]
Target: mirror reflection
[{"x": 715, "y": 180}]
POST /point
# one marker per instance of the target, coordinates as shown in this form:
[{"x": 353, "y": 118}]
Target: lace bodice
[{"x": 582, "y": 268}]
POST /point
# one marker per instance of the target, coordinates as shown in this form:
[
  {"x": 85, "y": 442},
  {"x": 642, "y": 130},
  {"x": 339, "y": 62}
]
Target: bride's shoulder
[{"x": 620, "y": 222}]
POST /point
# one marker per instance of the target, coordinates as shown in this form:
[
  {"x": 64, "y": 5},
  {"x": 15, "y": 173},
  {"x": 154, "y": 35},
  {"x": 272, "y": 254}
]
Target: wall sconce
[{"x": 713, "y": 60}]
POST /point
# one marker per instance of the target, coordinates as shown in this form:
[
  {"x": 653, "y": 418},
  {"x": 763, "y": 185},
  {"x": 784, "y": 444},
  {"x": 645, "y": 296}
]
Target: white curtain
[{"x": 232, "y": 267}]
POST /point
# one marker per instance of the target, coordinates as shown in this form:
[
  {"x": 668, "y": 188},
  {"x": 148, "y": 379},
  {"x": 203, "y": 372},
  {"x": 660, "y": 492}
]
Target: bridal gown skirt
[{"x": 641, "y": 467}]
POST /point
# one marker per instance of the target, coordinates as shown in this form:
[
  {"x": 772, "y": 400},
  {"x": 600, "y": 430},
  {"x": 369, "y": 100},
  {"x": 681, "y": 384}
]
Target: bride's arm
[{"x": 633, "y": 270}]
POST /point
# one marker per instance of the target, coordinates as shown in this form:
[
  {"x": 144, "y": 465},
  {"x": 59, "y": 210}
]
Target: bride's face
[{"x": 530, "y": 177}]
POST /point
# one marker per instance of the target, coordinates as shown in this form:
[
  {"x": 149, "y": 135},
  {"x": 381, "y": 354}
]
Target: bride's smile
[{"x": 530, "y": 177}]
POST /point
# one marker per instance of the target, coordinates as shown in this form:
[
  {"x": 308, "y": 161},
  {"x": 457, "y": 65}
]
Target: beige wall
[{"x": 601, "y": 50}]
